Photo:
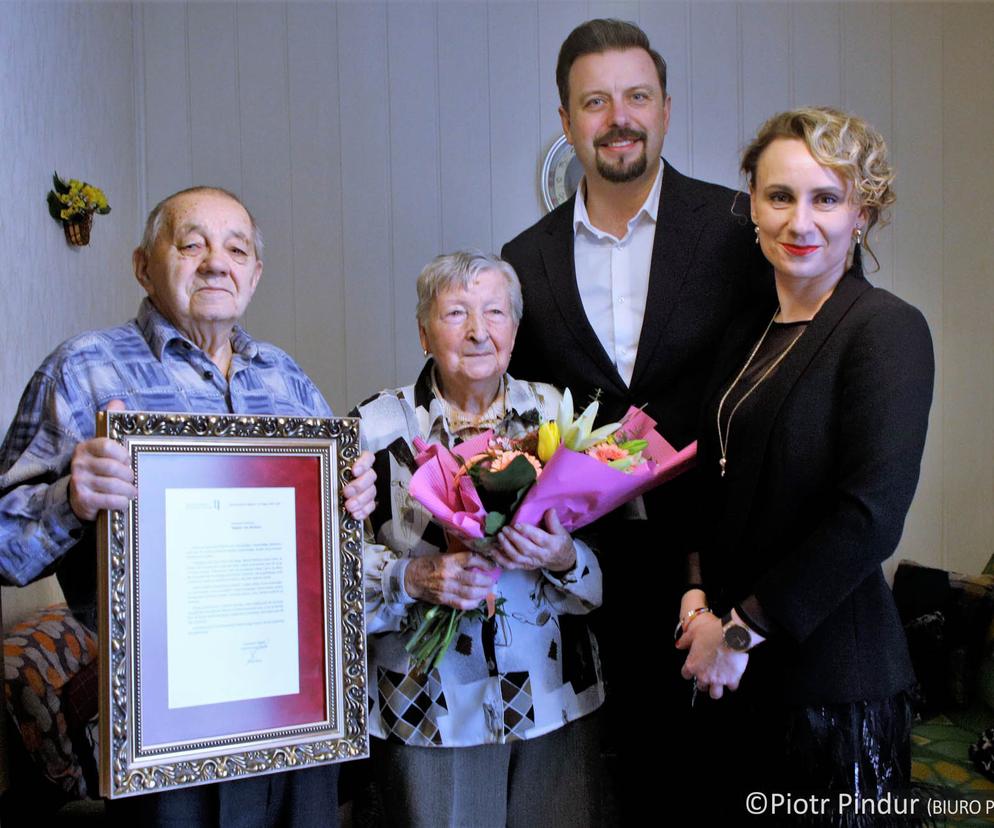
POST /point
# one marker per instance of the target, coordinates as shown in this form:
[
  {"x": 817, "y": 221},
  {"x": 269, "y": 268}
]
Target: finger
[
  {"x": 552, "y": 522},
  {"x": 532, "y": 534},
  {"x": 86, "y": 483},
  {"x": 510, "y": 557},
  {"x": 466, "y": 604},
  {"x": 363, "y": 463},
  {"x": 504, "y": 562},
  {"x": 683, "y": 643},
  {"x": 358, "y": 510},
  {"x": 519, "y": 544},
  {"x": 361, "y": 483},
  {"x": 470, "y": 560},
  {"x": 686, "y": 672},
  {"x": 101, "y": 447},
  {"x": 100, "y": 468},
  {"x": 363, "y": 504},
  {"x": 473, "y": 578},
  {"x": 716, "y": 691},
  {"x": 463, "y": 596},
  {"x": 87, "y": 503},
  {"x": 116, "y": 405}
]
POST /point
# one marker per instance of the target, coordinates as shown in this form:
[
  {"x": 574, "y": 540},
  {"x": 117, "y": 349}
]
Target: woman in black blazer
[{"x": 809, "y": 455}]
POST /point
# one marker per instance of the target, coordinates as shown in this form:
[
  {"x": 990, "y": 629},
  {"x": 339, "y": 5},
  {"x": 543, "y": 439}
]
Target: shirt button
[{"x": 208, "y": 375}]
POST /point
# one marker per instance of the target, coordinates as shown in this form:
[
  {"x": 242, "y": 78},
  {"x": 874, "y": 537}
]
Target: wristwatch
[{"x": 736, "y": 637}]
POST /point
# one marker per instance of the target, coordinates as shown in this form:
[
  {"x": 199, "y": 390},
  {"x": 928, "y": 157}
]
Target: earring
[
  {"x": 858, "y": 235},
  {"x": 756, "y": 228},
  {"x": 426, "y": 352}
]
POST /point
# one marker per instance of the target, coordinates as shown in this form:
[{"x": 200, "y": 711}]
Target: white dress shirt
[{"x": 613, "y": 276}]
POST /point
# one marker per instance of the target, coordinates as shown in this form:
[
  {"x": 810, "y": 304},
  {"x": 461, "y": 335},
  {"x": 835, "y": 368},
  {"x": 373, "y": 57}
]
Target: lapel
[
  {"x": 677, "y": 233},
  {"x": 747, "y": 457},
  {"x": 556, "y": 248}
]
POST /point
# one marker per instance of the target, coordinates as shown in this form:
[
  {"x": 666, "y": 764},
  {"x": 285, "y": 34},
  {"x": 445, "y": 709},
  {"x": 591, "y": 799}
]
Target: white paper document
[{"x": 231, "y": 594}]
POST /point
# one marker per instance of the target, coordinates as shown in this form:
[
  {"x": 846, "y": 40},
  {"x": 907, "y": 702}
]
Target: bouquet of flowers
[{"x": 583, "y": 473}]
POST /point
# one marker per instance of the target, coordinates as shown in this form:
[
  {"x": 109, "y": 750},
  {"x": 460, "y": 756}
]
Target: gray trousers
[{"x": 553, "y": 780}]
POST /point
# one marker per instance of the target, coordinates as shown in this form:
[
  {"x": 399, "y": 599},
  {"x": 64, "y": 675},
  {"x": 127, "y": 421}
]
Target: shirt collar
[
  {"x": 159, "y": 332},
  {"x": 649, "y": 208},
  {"x": 516, "y": 397}
]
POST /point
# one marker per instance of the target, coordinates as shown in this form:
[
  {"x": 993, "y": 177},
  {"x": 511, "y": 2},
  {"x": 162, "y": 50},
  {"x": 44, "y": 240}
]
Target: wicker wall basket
[{"x": 78, "y": 232}]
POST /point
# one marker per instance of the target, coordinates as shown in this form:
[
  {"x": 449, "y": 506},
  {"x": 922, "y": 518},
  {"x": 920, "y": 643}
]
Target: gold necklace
[{"x": 723, "y": 440}]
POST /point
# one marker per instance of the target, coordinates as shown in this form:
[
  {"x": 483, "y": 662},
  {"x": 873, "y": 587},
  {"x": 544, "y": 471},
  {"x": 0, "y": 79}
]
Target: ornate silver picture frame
[{"x": 232, "y": 634}]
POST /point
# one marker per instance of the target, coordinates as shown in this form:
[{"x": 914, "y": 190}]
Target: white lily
[
  {"x": 565, "y": 416},
  {"x": 578, "y": 435}
]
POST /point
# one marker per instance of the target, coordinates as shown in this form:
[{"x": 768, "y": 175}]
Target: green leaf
[
  {"x": 54, "y": 206},
  {"x": 494, "y": 522},
  {"x": 60, "y": 186},
  {"x": 516, "y": 475}
]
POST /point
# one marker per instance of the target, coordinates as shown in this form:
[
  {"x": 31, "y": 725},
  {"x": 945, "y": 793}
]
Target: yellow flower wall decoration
[{"x": 73, "y": 203}]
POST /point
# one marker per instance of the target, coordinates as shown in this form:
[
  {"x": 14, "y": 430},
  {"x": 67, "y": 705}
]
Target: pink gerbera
[
  {"x": 606, "y": 452},
  {"x": 502, "y": 459}
]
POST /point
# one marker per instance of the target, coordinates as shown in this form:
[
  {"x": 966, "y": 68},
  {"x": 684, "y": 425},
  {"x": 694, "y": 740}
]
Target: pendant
[{"x": 722, "y": 464}]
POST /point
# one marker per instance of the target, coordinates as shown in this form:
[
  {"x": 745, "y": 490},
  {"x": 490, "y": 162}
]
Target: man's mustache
[{"x": 620, "y": 134}]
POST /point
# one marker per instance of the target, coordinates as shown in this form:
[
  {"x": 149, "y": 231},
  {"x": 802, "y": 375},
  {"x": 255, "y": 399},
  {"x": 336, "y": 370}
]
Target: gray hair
[
  {"x": 460, "y": 270},
  {"x": 153, "y": 224}
]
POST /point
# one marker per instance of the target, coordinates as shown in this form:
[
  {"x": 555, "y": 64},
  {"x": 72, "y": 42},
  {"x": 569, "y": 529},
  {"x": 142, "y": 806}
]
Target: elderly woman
[
  {"x": 495, "y": 734},
  {"x": 809, "y": 456}
]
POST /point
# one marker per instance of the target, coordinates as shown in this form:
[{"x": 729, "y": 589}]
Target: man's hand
[
  {"x": 100, "y": 475},
  {"x": 360, "y": 494}
]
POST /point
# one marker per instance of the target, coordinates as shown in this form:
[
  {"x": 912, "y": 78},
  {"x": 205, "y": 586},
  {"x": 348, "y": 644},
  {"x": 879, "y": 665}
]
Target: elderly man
[
  {"x": 199, "y": 263},
  {"x": 627, "y": 288}
]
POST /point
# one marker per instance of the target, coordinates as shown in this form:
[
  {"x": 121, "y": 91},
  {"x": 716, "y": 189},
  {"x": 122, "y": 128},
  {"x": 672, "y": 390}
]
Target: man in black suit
[{"x": 627, "y": 289}]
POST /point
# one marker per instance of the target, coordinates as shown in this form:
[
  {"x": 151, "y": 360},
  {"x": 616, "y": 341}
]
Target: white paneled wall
[
  {"x": 369, "y": 136},
  {"x": 66, "y": 104}
]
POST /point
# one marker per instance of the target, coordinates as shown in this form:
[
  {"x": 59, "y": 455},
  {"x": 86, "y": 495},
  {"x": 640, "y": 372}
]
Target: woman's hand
[
  {"x": 456, "y": 579},
  {"x": 529, "y": 547},
  {"x": 710, "y": 662}
]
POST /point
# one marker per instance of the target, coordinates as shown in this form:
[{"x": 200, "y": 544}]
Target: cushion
[{"x": 42, "y": 655}]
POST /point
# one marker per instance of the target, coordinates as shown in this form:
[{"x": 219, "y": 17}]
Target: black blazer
[
  {"x": 705, "y": 266},
  {"x": 705, "y": 269},
  {"x": 823, "y": 461}
]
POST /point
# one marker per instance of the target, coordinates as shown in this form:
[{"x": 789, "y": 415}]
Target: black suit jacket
[
  {"x": 705, "y": 268},
  {"x": 823, "y": 461}
]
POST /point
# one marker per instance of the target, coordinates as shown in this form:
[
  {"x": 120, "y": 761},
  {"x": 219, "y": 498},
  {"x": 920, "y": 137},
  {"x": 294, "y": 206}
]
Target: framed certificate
[{"x": 232, "y": 636}]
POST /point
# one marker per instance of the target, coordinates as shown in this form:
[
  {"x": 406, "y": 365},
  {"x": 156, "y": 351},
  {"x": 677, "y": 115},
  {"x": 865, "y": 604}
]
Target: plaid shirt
[
  {"x": 149, "y": 365},
  {"x": 526, "y": 676}
]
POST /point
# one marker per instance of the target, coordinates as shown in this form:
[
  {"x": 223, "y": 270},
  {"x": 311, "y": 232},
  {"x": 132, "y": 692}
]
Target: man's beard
[{"x": 625, "y": 172}]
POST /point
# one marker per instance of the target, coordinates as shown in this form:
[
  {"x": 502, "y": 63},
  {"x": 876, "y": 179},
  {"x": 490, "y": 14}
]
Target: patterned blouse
[{"x": 513, "y": 677}]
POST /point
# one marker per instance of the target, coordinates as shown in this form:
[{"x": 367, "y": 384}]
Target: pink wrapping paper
[{"x": 580, "y": 488}]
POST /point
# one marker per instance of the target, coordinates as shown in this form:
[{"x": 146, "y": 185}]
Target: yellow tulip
[{"x": 548, "y": 440}]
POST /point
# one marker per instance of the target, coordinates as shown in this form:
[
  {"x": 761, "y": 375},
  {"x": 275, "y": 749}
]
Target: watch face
[
  {"x": 737, "y": 638},
  {"x": 561, "y": 174}
]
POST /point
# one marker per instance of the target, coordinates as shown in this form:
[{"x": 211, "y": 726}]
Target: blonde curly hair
[{"x": 844, "y": 143}]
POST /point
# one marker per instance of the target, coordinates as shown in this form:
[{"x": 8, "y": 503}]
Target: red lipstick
[{"x": 798, "y": 249}]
